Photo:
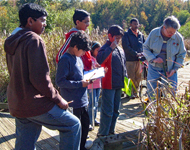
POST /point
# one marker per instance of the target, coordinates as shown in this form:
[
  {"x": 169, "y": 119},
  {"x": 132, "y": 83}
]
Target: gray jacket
[{"x": 175, "y": 49}]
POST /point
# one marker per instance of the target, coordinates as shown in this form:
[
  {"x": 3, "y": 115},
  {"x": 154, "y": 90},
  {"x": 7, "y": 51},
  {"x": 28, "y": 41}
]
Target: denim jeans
[
  {"x": 96, "y": 94},
  {"x": 68, "y": 125},
  {"x": 154, "y": 74},
  {"x": 109, "y": 110},
  {"x": 82, "y": 114}
]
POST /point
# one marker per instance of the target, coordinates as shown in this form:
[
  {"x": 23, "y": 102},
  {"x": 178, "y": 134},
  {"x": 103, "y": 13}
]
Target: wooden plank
[
  {"x": 7, "y": 130},
  {"x": 47, "y": 142},
  {"x": 4, "y": 144}
]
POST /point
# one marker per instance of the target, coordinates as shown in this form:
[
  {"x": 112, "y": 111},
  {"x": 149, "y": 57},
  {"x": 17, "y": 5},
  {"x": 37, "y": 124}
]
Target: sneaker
[
  {"x": 90, "y": 127},
  {"x": 88, "y": 144}
]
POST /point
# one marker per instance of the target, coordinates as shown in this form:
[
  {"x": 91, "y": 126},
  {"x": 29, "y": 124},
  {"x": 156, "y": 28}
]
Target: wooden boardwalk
[{"x": 131, "y": 118}]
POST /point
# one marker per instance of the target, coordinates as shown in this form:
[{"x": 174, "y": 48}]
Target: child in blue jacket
[{"x": 69, "y": 78}]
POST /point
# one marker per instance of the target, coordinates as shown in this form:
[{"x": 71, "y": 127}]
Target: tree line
[{"x": 104, "y": 13}]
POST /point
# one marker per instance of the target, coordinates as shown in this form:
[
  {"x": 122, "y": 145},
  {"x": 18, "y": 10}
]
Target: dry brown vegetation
[
  {"x": 187, "y": 44},
  {"x": 168, "y": 121}
]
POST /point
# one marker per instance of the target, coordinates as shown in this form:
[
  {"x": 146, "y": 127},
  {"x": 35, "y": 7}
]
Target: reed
[{"x": 168, "y": 121}]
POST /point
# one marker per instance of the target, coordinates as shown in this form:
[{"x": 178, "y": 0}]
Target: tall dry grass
[
  {"x": 4, "y": 77},
  {"x": 168, "y": 121},
  {"x": 187, "y": 44}
]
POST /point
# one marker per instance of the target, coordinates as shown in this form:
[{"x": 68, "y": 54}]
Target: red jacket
[{"x": 114, "y": 60}]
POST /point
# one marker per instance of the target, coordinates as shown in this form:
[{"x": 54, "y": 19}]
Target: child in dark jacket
[
  {"x": 69, "y": 78},
  {"x": 111, "y": 56}
]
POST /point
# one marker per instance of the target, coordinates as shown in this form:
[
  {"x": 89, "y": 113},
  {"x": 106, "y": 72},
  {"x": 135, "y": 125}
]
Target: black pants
[{"x": 82, "y": 114}]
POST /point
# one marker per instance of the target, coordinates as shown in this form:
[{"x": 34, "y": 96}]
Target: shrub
[{"x": 184, "y": 30}]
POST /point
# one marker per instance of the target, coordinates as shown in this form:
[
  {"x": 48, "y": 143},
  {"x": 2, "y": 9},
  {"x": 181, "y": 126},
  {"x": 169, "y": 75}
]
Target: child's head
[
  {"x": 115, "y": 32},
  {"x": 33, "y": 16},
  {"x": 80, "y": 43},
  {"x": 95, "y": 48},
  {"x": 81, "y": 19}
]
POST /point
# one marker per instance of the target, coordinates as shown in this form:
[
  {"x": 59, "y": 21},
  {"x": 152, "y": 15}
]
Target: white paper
[{"x": 94, "y": 74}]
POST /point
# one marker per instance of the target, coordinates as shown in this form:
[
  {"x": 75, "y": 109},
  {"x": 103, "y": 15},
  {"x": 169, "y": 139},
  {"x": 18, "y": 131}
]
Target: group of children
[
  {"x": 37, "y": 100},
  {"x": 69, "y": 76}
]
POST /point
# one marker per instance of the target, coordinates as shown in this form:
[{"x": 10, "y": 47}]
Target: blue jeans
[
  {"x": 68, "y": 125},
  {"x": 109, "y": 110},
  {"x": 96, "y": 94},
  {"x": 154, "y": 74}
]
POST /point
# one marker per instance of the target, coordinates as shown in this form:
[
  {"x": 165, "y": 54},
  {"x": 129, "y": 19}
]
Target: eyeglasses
[{"x": 170, "y": 31}]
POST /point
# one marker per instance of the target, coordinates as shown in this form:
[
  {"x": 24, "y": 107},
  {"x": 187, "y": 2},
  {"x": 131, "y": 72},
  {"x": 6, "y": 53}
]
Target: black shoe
[
  {"x": 112, "y": 133},
  {"x": 97, "y": 123}
]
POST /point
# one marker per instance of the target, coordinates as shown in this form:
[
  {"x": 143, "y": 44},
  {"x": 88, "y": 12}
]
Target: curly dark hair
[{"x": 81, "y": 40}]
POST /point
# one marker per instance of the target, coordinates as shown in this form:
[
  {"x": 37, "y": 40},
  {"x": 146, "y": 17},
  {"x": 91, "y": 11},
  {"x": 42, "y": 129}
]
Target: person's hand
[
  {"x": 106, "y": 69},
  {"x": 169, "y": 74},
  {"x": 158, "y": 60},
  {"x": 114, "y": 44},
  {"x": 85, "y": 83},
  {"x": 97, "y": 65},
  {"x": 63, "y": 104},
  {"x": 139, "y": 54}
]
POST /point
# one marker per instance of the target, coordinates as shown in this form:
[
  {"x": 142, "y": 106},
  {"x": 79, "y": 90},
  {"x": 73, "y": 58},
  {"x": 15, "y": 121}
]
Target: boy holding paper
[
  {"x": 69, "y": 78},
  {"x": 111, "y": 56}
]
